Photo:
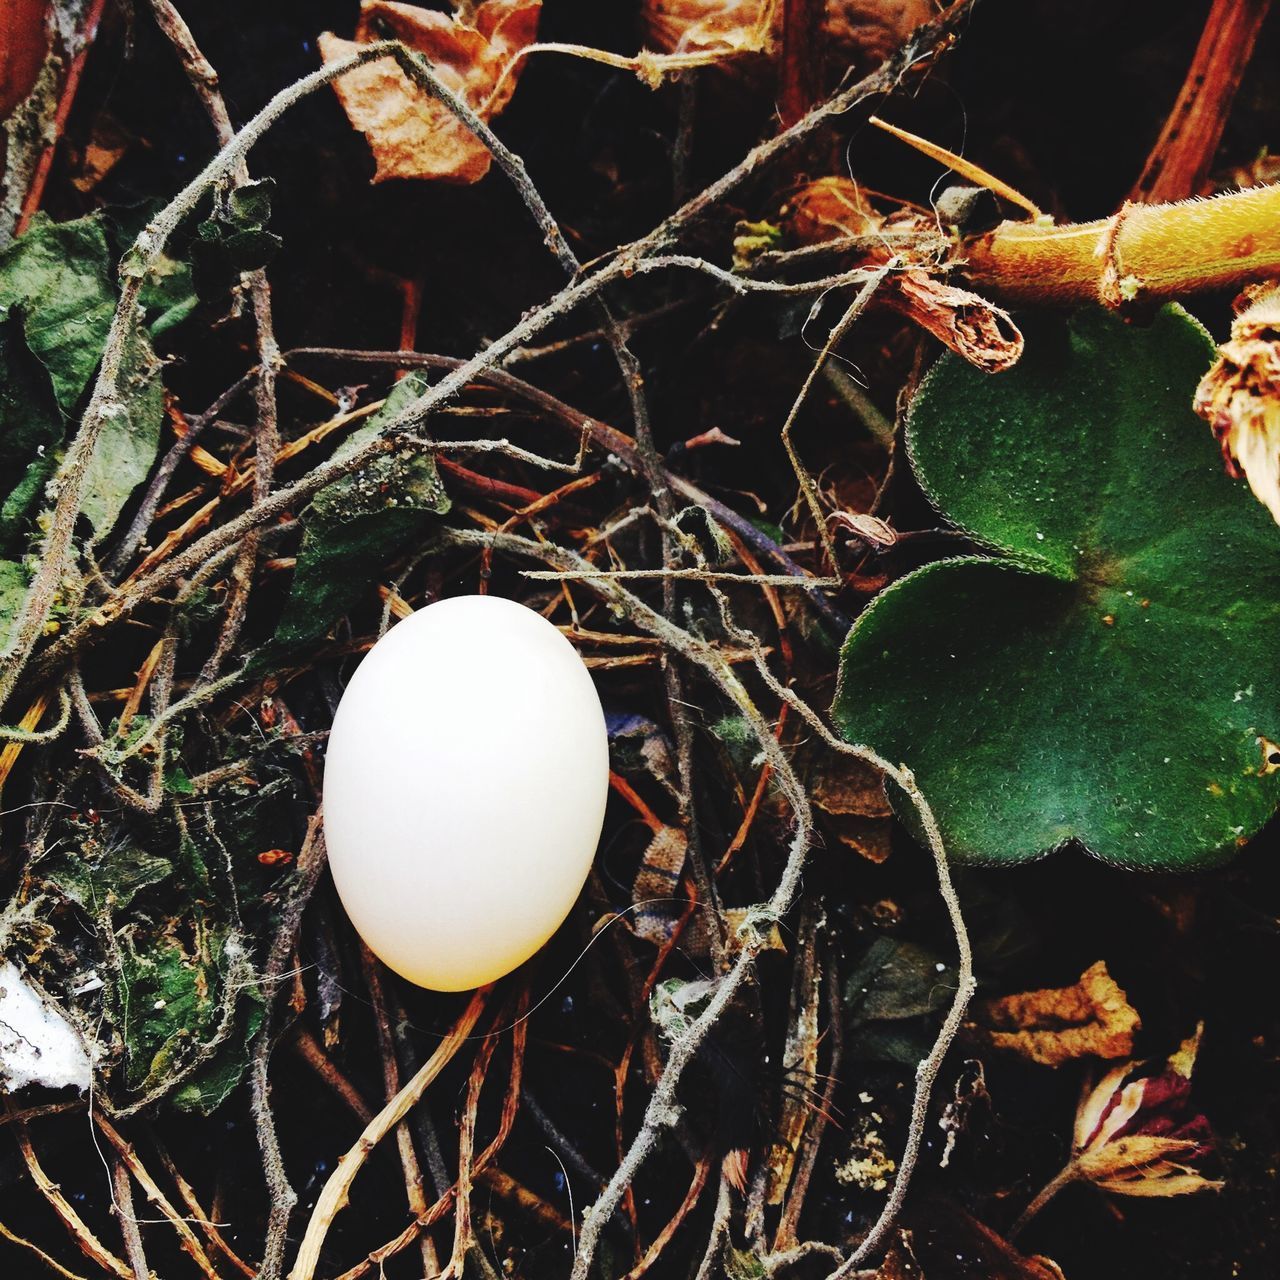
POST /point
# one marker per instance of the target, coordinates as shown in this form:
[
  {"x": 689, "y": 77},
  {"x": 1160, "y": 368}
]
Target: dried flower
[
  {"x": 1136, "y": 1134},
  {"x": 1240, "y": 396}
]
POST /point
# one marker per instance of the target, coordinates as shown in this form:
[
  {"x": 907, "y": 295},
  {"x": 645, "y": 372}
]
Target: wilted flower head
[
  {"x": 1240, "y": 396},
  {"x": 1136, "y": 1133}
]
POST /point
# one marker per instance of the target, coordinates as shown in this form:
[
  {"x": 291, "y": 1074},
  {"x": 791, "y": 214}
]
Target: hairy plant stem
[
  {"x": 1144, "y": 253},
  {"x": 104, "y": 402},
  {"x": 662, "y": 1110}
]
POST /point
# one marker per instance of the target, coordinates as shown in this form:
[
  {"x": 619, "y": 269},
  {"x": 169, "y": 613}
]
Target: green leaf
[
  {"x": 1112, "y": 678},
  {"x": 171, "y": 997},
  {"x": 110, "y": 880},
  {"x": 56, "y": 281},
  {"x": 128, "y": 441},
  {"x": 357, "y": 524},
  {"x": 30, "y": 433},
  {"x": 234, "y": 239},
  {"x": 56, "y": 278},
  {"x": 13, "y": 590},
  {"x": 207, "y": 1088}
]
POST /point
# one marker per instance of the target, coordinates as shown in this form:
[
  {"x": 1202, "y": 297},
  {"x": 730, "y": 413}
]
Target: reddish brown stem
[
  {"x": 35, "y": 192},
  {"x": 1179, "y": 162},
  {"x": 800, "y": 70}
]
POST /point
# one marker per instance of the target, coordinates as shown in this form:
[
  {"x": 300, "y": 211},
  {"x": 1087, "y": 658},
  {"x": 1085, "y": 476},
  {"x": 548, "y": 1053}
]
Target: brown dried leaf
[
  {"x": 829, "y": 209},
  {"x": 851, "y": 795},
  {"x": 1091, "y": 1019},
  {"x": 868, "y": 31},
  {"x": 694, "y": 26},
  {"x": 863, "y": 32},
  {"x": 410, "y": 134}
]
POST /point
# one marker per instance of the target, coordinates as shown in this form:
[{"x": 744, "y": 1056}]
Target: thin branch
[{"x": 334, "y": 1194}]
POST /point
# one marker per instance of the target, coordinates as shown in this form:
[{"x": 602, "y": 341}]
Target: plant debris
[
  {"x": 411, "y": 134},
  {"x": 1093, "y": 1018}
]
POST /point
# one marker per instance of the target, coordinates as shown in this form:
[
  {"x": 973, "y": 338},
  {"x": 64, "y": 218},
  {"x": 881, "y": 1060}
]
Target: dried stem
[
  {"x": 334, "y": 1195},
  {"x": 413, "y": 1184},
  {"x": 129, "y": 1159},
  {"x": 90, "y": 1245},
  {"x": 1180, "y": 160},
  {"x": 122, "y": 1207}
]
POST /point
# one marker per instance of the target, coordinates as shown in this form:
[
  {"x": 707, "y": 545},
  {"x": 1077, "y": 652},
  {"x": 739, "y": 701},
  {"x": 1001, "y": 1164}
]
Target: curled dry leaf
[
  {"x": 1240, "y": 396},
  {"x": 1093, "y": 1018},
  {"x": 861, "y": 32},
  {"x": 835, "y": 208},
  {"x": 410, "y": 134},
  {"x": 696, "y": 26},
  {"x": 1136, "y": 1133}
]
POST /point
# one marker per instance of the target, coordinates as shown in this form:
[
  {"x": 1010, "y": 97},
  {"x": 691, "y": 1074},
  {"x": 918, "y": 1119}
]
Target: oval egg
[{"x": 464, "y": 790}]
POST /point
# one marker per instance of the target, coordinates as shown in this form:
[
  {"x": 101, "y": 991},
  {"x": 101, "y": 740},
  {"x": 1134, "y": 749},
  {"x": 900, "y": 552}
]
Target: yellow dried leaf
[
  {"x": 1093, "y": 1018},
  {"x": 410, "y": 134}
]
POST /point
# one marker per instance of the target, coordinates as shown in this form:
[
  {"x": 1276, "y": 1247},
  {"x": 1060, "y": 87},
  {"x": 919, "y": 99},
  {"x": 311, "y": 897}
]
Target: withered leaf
[
  {"x": 1136, "y": 1133},
  {"x": 410, "y": 134},
  {"x": 1093, "y": 1018}
]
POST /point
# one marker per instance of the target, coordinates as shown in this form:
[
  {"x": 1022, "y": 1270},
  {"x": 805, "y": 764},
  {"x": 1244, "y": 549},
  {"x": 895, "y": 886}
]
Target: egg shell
[{"x": 464, "y": 790}]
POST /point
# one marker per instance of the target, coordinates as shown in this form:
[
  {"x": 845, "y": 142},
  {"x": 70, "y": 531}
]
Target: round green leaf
[{"x": 1111, "y": 678}]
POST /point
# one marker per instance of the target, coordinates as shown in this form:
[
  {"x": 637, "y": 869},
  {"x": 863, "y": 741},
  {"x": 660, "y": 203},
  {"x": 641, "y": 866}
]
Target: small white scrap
[{"x": 38, "y": 1045}]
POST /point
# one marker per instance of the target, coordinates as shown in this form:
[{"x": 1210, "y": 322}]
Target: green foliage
[
  {"x": 57, "y": 299},
  {"x": 173, "y": 995},
  {"x": 1111, "y": 678},
  {"x": 234, "y": 238},
  {"x": 13, "y": 588},
  {"x": 56, "y": 279},
  {"x": 105, "y": 880},
  {"x": 357, "y": 524},
  {"x": 891, "y": 1000},
  {"x": 30, "y": 434}
]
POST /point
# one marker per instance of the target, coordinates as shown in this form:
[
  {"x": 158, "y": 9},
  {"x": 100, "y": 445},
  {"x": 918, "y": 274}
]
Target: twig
[
  {"x": 1179, "y": 163},
  {"x": 52, "y": 1263},
  {"x": 210, "y": 1228},
  {"x": 308, "y": 1048},
  {"x": 463, "y": 1238},
  {"x": 413, "y": 1186},
  {"x": 334, "y": 1195},
  {"x": 311, "y": 863},
  {"x": 90, "y": 1245},
  {"x": 122, "y": 1207},
  {"x": 807, "y": 485},
  {"x": 685, "y": 1208},
  {"x": 1068, "y": 1174},
  {"x": 129, "y": 1159},
  {"x": 104, "y": 402}
]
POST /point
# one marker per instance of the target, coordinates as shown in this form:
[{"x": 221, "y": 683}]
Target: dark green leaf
[
  {"x": 110, "y": 880},
  {"x": 57, "y": 279},
  {"x": 234, "y": 239},
  {"x": 13, "y": 590},
  {"x": 1111, "y": 679},
  {"x": 359, "y": 523},
  {"x": 127, "y": 443},
  {"x": 209, "y": 1086},
  {"x": 30, "y": 433}
]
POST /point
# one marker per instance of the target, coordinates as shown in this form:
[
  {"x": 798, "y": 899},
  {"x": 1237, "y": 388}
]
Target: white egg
[{"x": 464, "y": 790}]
